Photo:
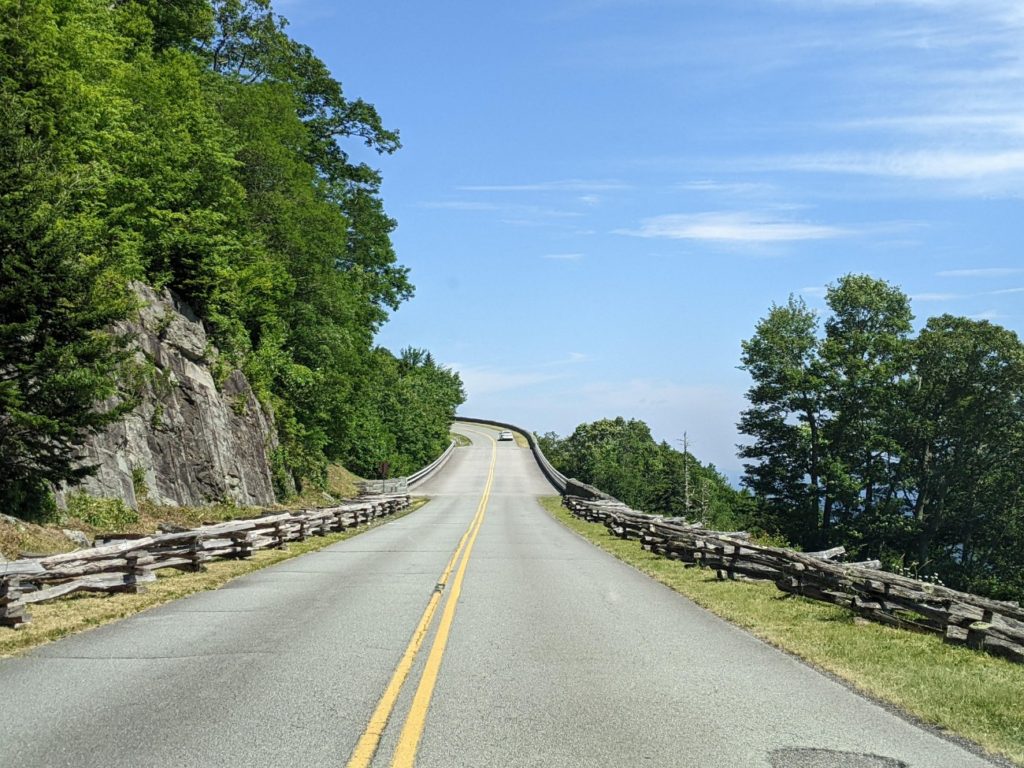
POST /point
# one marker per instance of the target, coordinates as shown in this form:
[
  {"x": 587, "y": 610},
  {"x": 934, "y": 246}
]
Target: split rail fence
[
  {"x": 125, "y": 563},
  {"x": 960, "y": 618}
]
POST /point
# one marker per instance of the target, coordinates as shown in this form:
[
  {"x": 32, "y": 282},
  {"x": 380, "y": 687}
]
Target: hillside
[{"x": 194, "y": 148}]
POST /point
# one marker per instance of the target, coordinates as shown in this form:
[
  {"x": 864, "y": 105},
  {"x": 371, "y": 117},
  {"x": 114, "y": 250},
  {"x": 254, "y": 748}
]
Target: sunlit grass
[{"x": 971, "y": 694}]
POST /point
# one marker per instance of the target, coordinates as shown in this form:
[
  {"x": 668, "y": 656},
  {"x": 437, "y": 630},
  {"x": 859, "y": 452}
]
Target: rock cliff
[{"x": 190, "y": 442}]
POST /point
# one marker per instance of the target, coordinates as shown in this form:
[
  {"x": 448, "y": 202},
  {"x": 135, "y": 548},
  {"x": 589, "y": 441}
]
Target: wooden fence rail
[
  {"x": 961, "y": 618},
  {"x": 124, "y": 564}
]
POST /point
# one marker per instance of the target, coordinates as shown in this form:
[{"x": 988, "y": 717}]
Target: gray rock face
[
  {"x": 78, "y": 538},
  {"x": 192, "y": 442}
]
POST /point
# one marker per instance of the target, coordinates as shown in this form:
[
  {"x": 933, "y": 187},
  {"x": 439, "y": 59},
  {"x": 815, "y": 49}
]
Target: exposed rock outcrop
[{"x": 190, "y": 442}]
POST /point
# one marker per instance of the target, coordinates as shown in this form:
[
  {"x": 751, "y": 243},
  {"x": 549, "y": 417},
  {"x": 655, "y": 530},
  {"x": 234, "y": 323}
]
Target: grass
[
  {"x": 51, "y": 621},
  {"x": 17, "y": 536},
  {"x": 95, "y": 516},
  {"x": 461, "y": 441},
  {"x": 967, "y": 693}
]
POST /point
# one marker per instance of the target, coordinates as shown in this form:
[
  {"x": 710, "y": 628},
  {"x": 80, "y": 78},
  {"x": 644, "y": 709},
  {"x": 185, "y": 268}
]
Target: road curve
[{"x": 555, "y": 654}]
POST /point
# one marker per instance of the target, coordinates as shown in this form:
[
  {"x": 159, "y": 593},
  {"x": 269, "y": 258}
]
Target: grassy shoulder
[
  {"x": 967, "y": 693},
  {"x": 51, "y": 621},
  {"x": 93, "y": 516}
]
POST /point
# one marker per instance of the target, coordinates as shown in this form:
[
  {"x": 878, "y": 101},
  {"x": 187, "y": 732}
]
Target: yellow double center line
[{"x": 408, "y": 741}]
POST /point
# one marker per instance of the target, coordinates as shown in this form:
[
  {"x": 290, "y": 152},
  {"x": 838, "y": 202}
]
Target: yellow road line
[
  {"x": 412, "y": 731},
  {"x": 367, "y": 745}
]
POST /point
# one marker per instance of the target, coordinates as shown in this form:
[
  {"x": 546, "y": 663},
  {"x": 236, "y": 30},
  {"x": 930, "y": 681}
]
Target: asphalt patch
[{"x": 798, "y": 757}]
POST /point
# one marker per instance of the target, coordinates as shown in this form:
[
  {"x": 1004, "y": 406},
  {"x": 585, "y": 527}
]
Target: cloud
[
  {"x": 573, "y": 358},
  {"x": 813, "y": 290},
  {"x": 982, "y": 272},
  {"x": 935, "y": 296},
  {"x": 739, "y": 227},
  {"x": 983, "y": 123},
  {"x": 461, "y": 205},
  {"x": 739, "y": 188},
  {"x": 1005, "y": 291},
  {"x": 481, "y": 380},
  {"x": 563, "y": 256},
  {"x": 988, "y": 314},
  {"x": 485, "y": 379},
  {"x": 941, "y": 165},
  {"x": 568, "y": 185},
  {"x": 512, "y": 213}
]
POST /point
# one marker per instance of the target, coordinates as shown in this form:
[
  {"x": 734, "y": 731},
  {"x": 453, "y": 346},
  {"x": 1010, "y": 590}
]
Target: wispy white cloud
[
  {"x": 1008, "y": 124},
  {"x": 988, "y": 314},
  {"x": 461, "y": 205},
  {"x": 948, "y": 165},
  {"x": 563, "y": 256},
  {"x": 813, "y": 290},
  {"x": 1006, "y": 11},
  {"x": 1006, "y": 291},
  {"x": 567, "y": 185},
  {"x": 936, "y": 296},
  {"x": 480, "y": 380},
  {"x": 573, "y": 358},
  {"x": 738, "y": 188},
  {"x": 512, "y": 213},
  {"x": 484, "y": 379},
  {"x": 982, "y": 272},
  {"x": 735, "y": 227}
]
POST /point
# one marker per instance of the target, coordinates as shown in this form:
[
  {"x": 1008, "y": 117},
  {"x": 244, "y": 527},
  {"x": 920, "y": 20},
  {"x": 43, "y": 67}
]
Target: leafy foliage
[
  {"x": 193, "y": 144},
  {"x": 622, "y": 458},
  {"x": 900, "y": 447}
]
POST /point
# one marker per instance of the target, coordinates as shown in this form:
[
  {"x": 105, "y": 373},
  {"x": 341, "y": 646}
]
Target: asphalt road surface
[{"x": 474, "y": 632}]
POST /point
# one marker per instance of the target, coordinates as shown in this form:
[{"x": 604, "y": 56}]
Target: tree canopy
[
  {"x": 621, "y": 457},
  {"x": 897, "y": 446},
  {"x": 194, "y": 145}
]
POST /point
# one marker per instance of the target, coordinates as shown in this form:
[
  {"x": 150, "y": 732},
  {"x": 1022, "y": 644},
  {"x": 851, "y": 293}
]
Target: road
[{"x": 553, "y": 653}]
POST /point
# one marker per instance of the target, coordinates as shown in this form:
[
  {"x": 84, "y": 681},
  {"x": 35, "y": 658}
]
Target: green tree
[
  {"x": 866, "y": 357},
  {"x": 962, "y": 428},
  {"x": 621, "y": 458},
  {"x": 193, "y": 145},
  {"x": 60, "y": 284},
  {"x": 786, "y": 419}
]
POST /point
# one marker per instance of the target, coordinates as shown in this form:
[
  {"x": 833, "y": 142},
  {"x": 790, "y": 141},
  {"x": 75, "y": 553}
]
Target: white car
[{"x": 505, "y": 435}]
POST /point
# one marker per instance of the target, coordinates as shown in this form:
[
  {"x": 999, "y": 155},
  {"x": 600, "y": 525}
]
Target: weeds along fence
[
  {"x": 125, "y": 563},
  {"x": 862, "y": 587}
]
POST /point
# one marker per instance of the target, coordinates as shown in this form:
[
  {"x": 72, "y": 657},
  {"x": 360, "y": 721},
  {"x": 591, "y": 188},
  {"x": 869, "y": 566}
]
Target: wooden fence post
[
  {"x": 12, "y": 610},
  {"x": 133, "y": 572},
  {"x": 195, "y": 550}
]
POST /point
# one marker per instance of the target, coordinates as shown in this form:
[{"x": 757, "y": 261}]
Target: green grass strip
[{"x": 967, "y": 693}]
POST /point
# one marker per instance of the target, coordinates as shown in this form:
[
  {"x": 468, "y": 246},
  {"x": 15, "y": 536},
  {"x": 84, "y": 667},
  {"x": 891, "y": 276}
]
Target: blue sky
[{"x": 598, "y": 199}]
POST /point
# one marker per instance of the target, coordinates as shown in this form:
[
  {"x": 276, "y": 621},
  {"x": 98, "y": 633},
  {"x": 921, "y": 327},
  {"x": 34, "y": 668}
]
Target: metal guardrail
[
  {"x": 428, "y": 471},
  {"x": 403, "y": 484},
  {"x": 555, "y": 477}
]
